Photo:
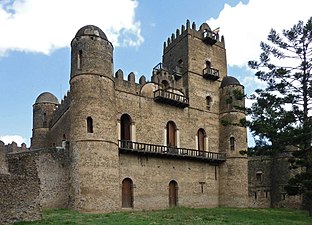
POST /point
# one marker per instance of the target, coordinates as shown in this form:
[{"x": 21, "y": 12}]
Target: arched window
[
  {"x": 171, "y": 134},
  {"x": 89, "y": 124},
  {"x": 173, "y": 193},
  {"x": 232, "y": 143},
  {"x": 125, "y": 127},
  {"x": 127, "y": 193},
  {"x": 208, "y": 102},
  {"x": 208, "y": 64},
  {"x": 201, "y": 135},
  {"x": 165, "y": 84},
  {"x": 79, "y": 55}
]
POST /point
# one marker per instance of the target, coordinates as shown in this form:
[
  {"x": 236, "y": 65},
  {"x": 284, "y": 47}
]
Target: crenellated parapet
[
  {"x": 61, "y": 109},
  {"x": 129, "y": 84},
  {"x": 204, "y": 33}
]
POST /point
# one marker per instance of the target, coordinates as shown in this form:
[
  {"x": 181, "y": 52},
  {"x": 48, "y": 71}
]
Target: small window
[
  {"x": 165, "y": 84},
  {"x": 208, "y": 103},
  {"x": 89, "y": 125},
  {"x": 208, "y": 64},
  {"x": 259, "y": 176},
  {"x": 232, "y": 143},
  {"x": 79, "y": 55}
]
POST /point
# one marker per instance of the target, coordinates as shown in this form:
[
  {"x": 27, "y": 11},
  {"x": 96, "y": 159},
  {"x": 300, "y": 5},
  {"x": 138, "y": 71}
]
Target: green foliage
[
  {"x": 225, "y": 122},
  {"x": 238, "y": 94},
  {"x": 181, "y": 216},
  {"x": 280, "y": 116}
]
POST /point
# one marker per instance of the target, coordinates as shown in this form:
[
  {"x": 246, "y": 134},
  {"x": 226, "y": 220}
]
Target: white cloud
[
  {"x": 45, "y": 25},
  {"x": 245, "y": 26},
  {"x": 8, "y": 139}
]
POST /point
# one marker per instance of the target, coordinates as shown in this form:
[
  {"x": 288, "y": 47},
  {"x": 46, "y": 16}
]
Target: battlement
[
  {"x": 61, "y": 108},
  {"x": 128, "y": 85},
  {"x": 12, "y": 148},
  {"x": 204, "y": 33}
]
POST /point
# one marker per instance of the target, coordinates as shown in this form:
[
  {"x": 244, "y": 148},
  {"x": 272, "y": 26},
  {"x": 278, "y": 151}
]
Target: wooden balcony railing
[
  {"x": 171, "y": 98},
  {"x": 165, "y": 151},
  {"x": 211, "y": 74}
]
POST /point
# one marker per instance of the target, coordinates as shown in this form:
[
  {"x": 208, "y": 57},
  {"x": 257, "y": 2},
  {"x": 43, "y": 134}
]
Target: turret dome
[
  {"x": 229, "y": 80},
  {"x": 46, "y": 97},
  {"x": 91, "y": 30}
]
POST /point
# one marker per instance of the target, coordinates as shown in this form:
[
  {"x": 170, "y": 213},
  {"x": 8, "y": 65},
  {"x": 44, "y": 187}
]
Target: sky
[{"x": 36, "y": 34}]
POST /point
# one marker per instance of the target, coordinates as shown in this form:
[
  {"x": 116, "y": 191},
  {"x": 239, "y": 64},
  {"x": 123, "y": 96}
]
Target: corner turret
[{"x": 43, "y": 110}]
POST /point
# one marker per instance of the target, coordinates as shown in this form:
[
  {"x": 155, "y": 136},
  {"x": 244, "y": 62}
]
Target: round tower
[
  {"x": 233, "y": 139},
  {"x": 93, "y": 126},
  {"x": 43, "y": 109}
]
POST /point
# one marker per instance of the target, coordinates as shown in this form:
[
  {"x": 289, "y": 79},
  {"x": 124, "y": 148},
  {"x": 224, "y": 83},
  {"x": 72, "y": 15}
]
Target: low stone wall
[{"x": 19, "y": 195}]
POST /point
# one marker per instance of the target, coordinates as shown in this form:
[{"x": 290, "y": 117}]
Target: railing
[
  {"x": 171, "y": 98},
  {"x": 210, "y": 37},
  {"x": 160, "y": 150},
  {"x": 211, "y": 73}
]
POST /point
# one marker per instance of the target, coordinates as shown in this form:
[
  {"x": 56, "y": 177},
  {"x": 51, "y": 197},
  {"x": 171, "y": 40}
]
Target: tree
[{"x": 281, "y": 114}]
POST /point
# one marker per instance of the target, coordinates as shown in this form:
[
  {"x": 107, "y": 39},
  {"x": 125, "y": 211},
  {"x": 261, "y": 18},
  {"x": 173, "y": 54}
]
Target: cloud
[
  {"x": 244, "y": 26},
  {"x": 45, "y": 25},
  {"x": 8, "y": 139}
]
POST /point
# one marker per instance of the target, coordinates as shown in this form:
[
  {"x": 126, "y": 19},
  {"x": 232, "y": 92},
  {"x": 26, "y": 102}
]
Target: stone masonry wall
[
  {"x": 198, "y": 182},
  {"x": 19, "y": 195},
  {"x": 266, "y": 181}
]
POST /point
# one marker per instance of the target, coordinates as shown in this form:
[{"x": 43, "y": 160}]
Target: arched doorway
[
  {"x": 171, "y": 134},
  {"x": 201, "y": 135},
  {"x": 127, "y": 193},
  {"x": 173, "y": 193},
  {"x": 125, "y": 127}
]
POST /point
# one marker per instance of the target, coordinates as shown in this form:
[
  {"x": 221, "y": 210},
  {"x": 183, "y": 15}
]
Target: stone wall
[
  {"x": 198, "y": 182},
  {"x": 19, "y": 195},
  {"x": 267, "y": 177}
]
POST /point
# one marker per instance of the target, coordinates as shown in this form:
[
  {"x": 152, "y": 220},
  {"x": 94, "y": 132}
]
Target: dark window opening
[
  {"x": 89, "y": 124},
  {"x": 255, "y": 195},
  {"x": 127, "y": 193},
  {"x": 232, "y": 143},
  {"x": 208, "y": 102},
  {"x": 259, "y": 176},
  {"x": 44, "y": 119},
  {"x": 171, "y": 134},
  {"x": 208, "y": 64},
  {"x": 165, "y": 84},
  {"x": 125, "y": 125}
]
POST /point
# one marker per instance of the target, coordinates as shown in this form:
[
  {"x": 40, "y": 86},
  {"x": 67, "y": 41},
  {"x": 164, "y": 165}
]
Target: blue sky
[{"x": 36, "y": 34}]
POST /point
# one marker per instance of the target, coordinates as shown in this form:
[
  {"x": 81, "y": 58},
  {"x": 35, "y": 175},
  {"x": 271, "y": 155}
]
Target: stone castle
[{"x": 113, "y": 143}]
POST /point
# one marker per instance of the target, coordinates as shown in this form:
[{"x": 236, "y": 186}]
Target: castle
[{"x": 112, "y": 143}]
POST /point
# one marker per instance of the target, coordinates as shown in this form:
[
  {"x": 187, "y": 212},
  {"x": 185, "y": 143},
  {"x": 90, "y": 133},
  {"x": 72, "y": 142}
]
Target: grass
[{"x": 178, "y": 216}]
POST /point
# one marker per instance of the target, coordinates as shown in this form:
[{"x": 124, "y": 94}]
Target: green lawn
[{"x": 179, "y": 216}]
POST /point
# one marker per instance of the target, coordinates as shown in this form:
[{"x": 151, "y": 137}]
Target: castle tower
[
  {"x": 43, "y": 109},
  {"x": 199, "y": 56},
  {"x": 93, "y": 132},
  {"x": 233, "y": 139}
]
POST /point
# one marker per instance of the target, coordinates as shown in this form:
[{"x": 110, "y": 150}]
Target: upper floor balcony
[
  {"x": 171, "y": 98},
  {"x": 170, "y": 152},
  {"x": 211, "y": 74},
  {"x": 210, "y": 37}
]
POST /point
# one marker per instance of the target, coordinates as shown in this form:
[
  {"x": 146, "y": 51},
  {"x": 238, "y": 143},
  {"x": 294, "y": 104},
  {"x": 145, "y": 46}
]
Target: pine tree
[{"x": 281, "y": 116}]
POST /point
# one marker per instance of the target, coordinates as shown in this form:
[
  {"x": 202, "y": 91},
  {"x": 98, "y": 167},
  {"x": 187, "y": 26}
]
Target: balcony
[
  {"x": 211, "y": 74},
  {"x": 210, "y": 37},
  {"x": 170, "y": 152},
  {"x": 171, "y": 98}
]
